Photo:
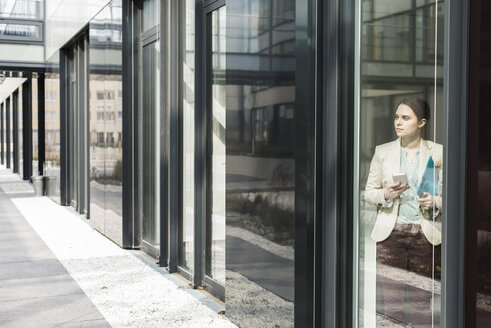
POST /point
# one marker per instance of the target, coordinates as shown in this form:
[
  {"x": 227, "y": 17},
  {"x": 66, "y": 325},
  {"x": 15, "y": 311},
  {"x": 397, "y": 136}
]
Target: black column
[
  {"x": 15, "y": 129},
  {"x": 27, "y": 128},
  {"x": 2, "y": 138},
  {"x": 64, "y": 142},
  {"x": 131, "y": 32},
  {"x": 454, "y": 175},
  {"x": 175, "y": 203},
  {"x": 7, "y": 122},
  {"x": 41, "y": 131}
]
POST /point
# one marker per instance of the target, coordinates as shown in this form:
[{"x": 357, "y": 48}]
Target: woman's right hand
[{"x": 395, "y": 190}]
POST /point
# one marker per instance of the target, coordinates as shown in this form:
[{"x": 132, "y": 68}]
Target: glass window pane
[
  {"x": 215, "y": 253},
  {"x": 150, "y": 173},
  {"x": 20, "y": 30},
  {"x": 260, "y": 162},
  {"x": 399, "y": 164},
  {"x": 25, "y": 9},
  {"x": 151, "y": 14},
  {"x": 52, "y": 123},
  {"x": 186, "y": 224},
  {"x": 105, "y": 131}
]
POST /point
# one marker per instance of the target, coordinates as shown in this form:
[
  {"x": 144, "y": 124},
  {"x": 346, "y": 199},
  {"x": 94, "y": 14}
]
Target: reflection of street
[
  {"x": 260, "y": 283},
  {"x": 107, "y": 196},
  {"x": 268, "y": 270},
  {"x": 106, "y": 210}
]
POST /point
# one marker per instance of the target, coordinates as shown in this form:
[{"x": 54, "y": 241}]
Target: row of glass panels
[{"x": 251, "y": 233}]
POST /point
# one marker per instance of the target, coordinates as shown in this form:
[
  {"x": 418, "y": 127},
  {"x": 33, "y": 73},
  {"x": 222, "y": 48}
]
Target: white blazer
[{"x": 385, "y": 162}]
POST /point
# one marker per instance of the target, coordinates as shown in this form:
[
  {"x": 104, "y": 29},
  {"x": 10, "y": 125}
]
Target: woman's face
[{"x": 406, "y": 123}]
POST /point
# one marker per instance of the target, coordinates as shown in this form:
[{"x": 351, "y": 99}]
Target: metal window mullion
[
  {"x": 80, "y": 125},
  {"x": 199, "y": 146},
  {"x": 7, "y": 130},
  {"x": 129, "y": 54},
  {"x": 175, "y": 187},
  {"x": 163, "y": 134},
  {"x": 64, "y": 131}
]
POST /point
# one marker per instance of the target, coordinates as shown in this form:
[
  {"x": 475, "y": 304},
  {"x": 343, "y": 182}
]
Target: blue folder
[{"x": 429, "y": 180}]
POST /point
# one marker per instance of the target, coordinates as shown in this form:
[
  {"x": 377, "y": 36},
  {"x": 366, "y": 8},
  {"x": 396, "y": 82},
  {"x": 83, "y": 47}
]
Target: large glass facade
[
  {"x": 106, "y": 118},
  {"x": 186, "y": 104},
  {"x": 399, "y": 163},
  {"x": 260, "y": 162}
]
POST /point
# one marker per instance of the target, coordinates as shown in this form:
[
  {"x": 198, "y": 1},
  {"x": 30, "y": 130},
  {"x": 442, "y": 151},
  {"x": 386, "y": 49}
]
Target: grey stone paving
[{"x": 35, "y": 289}]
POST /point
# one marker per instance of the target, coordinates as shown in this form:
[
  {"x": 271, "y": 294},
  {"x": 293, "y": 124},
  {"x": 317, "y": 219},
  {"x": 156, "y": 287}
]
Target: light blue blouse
[{"x": 408, "y": 206}]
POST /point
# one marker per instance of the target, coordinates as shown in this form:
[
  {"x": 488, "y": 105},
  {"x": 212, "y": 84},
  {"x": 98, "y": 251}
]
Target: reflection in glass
[
  {"x": 106, "y": 122},
  {"x": 260, "y": 165},
  {"x": 151, "y": 14},
  {"x": 20, "y": 30},
  {"x": 186, "y": 224},
  {"x": 150, "y": 173},
  {"x": 215, "y": 237},
  {"x": 52, "y": 123},
  {"x": 400, "y": 136},
  {"x": 25, "y": 9},
  {"x": 73, "y": 126}
]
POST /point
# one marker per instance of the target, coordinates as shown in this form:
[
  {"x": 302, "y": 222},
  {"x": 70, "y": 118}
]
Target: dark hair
[{"x": 419, "y": 106}]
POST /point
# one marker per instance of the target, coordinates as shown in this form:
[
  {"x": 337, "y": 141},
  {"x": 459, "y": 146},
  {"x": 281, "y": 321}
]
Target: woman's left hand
[{"x": 427, "y": 202}]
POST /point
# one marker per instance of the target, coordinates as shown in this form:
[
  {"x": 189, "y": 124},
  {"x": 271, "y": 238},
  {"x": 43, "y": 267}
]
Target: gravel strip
[{"x": 128, "y": 292}]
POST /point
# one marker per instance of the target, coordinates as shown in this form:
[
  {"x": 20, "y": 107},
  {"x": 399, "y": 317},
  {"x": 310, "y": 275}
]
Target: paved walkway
[
  {"x": 35, "y": 289},
  {"x": 57, "y": 271}
]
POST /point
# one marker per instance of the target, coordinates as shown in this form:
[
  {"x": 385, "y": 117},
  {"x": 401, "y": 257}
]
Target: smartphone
[{"x": 399, "y": 177}]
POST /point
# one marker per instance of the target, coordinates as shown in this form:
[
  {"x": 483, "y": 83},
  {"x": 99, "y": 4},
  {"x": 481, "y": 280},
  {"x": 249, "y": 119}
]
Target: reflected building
[
  {"x": 105, "y": 121},
  {"x": 260, "y": 79}
]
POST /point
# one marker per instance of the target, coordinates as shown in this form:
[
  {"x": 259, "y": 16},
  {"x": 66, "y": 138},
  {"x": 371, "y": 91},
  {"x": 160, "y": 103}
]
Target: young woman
[{"x": 408, "y": 227}]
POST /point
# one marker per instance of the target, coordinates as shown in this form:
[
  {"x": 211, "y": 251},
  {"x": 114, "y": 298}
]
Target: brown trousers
[{"x": 408, "y": 249}]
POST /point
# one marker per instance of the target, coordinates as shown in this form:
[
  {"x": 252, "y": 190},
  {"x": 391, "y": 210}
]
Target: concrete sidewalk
[
  {"x": 35, "y": 289},
  {"x": 61, "y": 272}
]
